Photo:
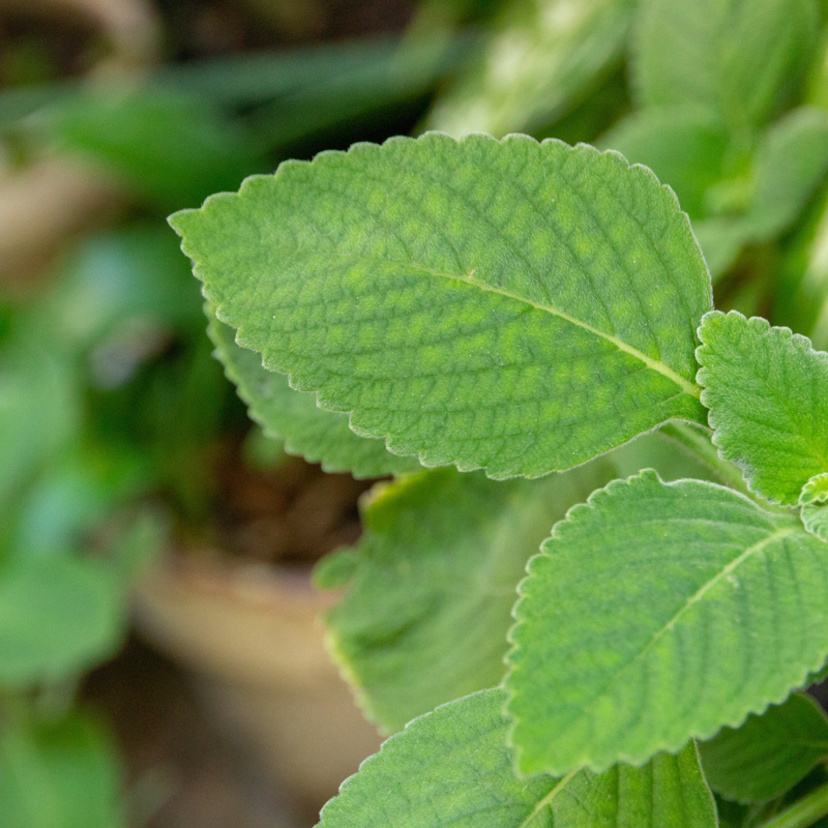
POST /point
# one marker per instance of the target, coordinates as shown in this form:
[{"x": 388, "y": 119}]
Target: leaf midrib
[{"x": 687, "y": 387}]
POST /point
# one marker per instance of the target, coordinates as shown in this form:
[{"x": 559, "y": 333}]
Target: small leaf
[
  {"x": 733, "y": 57},
  {"x": 507, "y": 305},
  {"x": 58, "y": 617},
  {"x": 768, "y": 754},
  {"x": 452, "y": 769},
  {"x": 59, "y": 774},
  {"x": 293, "y": 416},
  {"x": 657, "y": 613},
  {"x": 432, "y": 584},
  {"x": 790, "y": 164},
  {"x": 767, "y": 391}
]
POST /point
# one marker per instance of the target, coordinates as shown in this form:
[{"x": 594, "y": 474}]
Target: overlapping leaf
[
  {"x": 733, "y": 57},
  {"x": 656, "y": 613},
  {"x": 293, "y": 416},
  {"x": 513, "y": 306},
  {"x": 768, "y": 754},
  {"x": 452, "y": 769},
  {"x": 433, "y": 582},
  {"x": 767, "y": 391}
]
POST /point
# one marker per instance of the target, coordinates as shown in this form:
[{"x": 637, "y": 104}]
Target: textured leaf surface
[
  {"x": 57, "y": 618},
  {"x": 452, "y": 768},
  {"x": 768, "y": 754},
  {"x": 544, "y": 58},
  {"x": 513, "y": 306},
  {"x": 790, "y": 164},
  {"x": 767, "y": 391},
  {"x": 683, "y": 146},
  {"x": 429, "y": 603},
  {"x": 293, "y": 416},
  {"x": 58, "y": 774},
  {"x": 730, "y": 56},
  {"x": 656, "y": 613}
]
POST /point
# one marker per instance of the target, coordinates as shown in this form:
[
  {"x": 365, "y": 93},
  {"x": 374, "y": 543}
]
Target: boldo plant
[{"x": 522, "y": 311}]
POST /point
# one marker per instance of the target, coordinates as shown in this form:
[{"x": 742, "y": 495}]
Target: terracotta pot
[{"x": 252, "y": 637}]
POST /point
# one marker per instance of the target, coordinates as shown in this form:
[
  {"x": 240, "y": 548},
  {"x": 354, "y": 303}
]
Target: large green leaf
[
  {"x": 734, "y": 57},
  {"x": 768, "y": 754},
  {"x": 58, "y": 774},
  {"x": 544, "y": 57},
  {"x": 58, "y": 616},
  {"x": 790, "y": 163},
  {"x": 507, "y": 305},
  {"x": 452, "y": 769},
  {"x": 433, "y": 582},
  {"x": 293, "y": 416},
  {"x": 656, "y": 613},
  {"x": 767, "y": 391}
]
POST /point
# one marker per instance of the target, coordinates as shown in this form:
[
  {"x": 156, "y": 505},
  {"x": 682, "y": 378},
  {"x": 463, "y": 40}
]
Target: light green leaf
[
  {"x": 657, "y": 613},
  {"x": 433, "y": 582},
  {"x": 58, "y": 617},
  {"x": 768, "y": 754},
  {"x": 814, "y": 510},
  {"x": 683, "y": 146},
  {"x": 293, "y": 416},
  {"x": 513, "y": 306},
  {"x": 452, "y": 769},
  {"x": 733, "y": 57},
  {"x": 767, "y": 391},
  {"x": 790, "y": 163},
  {"x": 59, "y": 774},
  {"x": 544, "y": 58}
]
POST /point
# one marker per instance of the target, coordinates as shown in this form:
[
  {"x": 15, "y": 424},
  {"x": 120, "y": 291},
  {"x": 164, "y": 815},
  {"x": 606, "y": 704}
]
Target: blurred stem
[{"x": 802, "y": 814}]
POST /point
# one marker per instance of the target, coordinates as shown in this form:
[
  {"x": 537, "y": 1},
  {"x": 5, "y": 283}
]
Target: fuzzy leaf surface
[
  {"x": 732, "y": 57},
  {"x": 767, "y": 391},
  {"x": 452, "y": 769},
  {"x": 428, "y": 606},
  {"x": 293, "y": 416},
  {"x": 506, "y": 305},
  {"x": 768, "y": 754},
  {"x": 657, "y": 613}
]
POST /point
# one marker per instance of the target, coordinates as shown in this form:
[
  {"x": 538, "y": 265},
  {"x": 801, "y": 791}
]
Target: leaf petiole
[{"x": 803, "y": 813}]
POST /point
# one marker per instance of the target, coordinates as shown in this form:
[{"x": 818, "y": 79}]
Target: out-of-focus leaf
[
  {"x": 683, "y": 146},
  {"x": 733, "y": 57},
  {"x": 544, "y": 57},
  {"x": 172, "y": 149},
  {"x": 59, "y": 774},
  {"x": 58, "y": 616}
]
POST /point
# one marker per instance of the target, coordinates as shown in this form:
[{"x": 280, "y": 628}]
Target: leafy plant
[{"x": 523, "y": 310}]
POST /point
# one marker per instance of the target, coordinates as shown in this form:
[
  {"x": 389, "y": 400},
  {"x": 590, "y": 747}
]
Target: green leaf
[
  {"x": 721, "y": 240},
  {"x": 58, "y": 617},
  {"x": 293, "y": 416},
  {"x": 767, "y": 391},
  {"x": 683, "y": 146},
  {"x": 59, "y": 774},
  {"x": 657, "y": 613},
  {"x": 432, "y": 584},
  {"x": 733, "y": 57},
  {"x": 790, "y": 163},
  {"x": 452, "y": 769},
  {"x": 768, "y": 754},
  {"x": 814, "y": 512},
  {"x": 513, "y": 306},
  {"x": 545, "y": 57}
]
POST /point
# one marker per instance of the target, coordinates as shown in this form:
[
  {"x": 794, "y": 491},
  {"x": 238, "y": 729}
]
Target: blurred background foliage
[{"x": 113, "y": 114}]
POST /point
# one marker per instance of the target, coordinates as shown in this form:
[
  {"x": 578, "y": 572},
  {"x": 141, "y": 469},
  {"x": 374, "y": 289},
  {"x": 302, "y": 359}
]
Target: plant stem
[{"x": 803, "y": 813}]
